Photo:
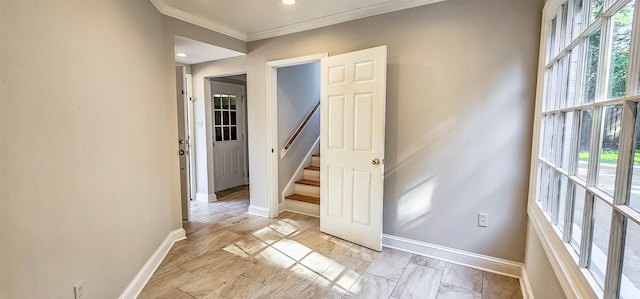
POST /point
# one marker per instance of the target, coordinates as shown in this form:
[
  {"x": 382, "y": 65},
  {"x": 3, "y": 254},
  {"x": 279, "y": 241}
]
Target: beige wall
[
  {"x": 88, "y": 162},
  {"x": 542, "y": 279},
  {"x": 460, "y": 95}
]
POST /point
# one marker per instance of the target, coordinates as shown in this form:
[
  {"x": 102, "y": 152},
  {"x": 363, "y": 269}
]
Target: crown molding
[
  {"x": 342, "y": 17},
  {"x": 198, "y": 20}
]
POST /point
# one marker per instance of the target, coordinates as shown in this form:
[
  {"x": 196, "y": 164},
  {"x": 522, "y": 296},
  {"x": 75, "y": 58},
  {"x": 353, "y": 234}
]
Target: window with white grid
[{"x": 588, "y": 154}]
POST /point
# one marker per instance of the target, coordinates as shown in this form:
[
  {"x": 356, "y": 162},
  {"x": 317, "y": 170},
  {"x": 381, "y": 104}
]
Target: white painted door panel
[
  {"x": 353, "y": 96},
  {"x": 228, "y": 135}
]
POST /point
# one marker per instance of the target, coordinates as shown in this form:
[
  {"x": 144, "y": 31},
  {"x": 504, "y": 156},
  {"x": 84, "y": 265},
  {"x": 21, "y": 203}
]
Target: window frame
[
  {"x": 570, "y": 266},
  {"x": 222, "y": 111}
]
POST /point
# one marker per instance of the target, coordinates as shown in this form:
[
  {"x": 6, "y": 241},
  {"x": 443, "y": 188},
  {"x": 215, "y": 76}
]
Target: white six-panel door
[{"x": 353, "y": 96}]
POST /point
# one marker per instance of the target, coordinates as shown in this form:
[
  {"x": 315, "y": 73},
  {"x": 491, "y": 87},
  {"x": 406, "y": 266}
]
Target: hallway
[{"x": 231, "y": 254}]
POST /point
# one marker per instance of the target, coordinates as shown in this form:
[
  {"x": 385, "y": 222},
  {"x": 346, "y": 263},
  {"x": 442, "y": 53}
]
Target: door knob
[{"x": 375, "y": 161}]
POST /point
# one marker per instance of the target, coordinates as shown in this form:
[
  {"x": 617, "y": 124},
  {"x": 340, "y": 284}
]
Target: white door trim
[
  {"x": 192, "y": 132},
  {"x": 238, "y": 90},
  {"x": 183, "y": 136},
  {"x": 209, "y": 132},
  {"x": 272, "y": 124}
]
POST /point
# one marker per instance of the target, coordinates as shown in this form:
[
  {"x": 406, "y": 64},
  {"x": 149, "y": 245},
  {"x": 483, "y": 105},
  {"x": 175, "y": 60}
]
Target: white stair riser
[
  {"x": 307, "y": 190},
  {"x": 312, "y": 174},
  {"x": 315, "y": 161},
  {"x": 303, "y": 207}
]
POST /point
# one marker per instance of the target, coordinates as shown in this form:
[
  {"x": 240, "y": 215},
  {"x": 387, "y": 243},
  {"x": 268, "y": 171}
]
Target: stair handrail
[{"x": 299, "y": 130}]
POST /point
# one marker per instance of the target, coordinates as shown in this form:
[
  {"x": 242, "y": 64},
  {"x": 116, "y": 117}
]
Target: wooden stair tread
[
  {"x": 309, "y": 182},
  {"x": 313, "y": 168},
  {"x": 305, "y": 198},
  {"x": 316, "y": 155}
]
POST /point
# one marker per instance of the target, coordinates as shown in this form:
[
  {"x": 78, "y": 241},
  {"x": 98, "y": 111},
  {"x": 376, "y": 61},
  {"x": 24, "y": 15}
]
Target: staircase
[{"x": 308, "y": 189}]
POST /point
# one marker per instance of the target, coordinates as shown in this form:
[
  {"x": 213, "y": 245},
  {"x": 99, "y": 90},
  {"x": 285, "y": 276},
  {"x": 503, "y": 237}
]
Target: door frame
[
  {"x": 210, "y": 132},
  {"x": 191, "y": 133},
  {"x": 182, "y": 102},
  {"x": 272, "y": 124},
  {"x": 241, "y": 125}
]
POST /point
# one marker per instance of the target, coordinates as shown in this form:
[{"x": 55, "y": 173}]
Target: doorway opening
[
  {"x": 229, "y": 147},
  {"x": 299, "y": 138},
  {"x": 293, "y": 91},
  {"x": 185, "y": 113}
]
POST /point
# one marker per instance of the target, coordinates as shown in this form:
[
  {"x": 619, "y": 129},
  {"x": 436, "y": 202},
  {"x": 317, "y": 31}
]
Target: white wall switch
[{"x": 483, "y": 219}]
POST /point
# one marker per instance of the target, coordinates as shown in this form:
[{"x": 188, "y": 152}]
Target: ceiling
[
  {"x": 251, "y": 20},
  {"x": 198, "y": 52}
]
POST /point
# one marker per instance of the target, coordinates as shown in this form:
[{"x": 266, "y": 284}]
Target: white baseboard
[
  {"x": 206, "y": 197},
  {"x": 525, "y": 285},
  {"x": 258, "y": 211},
  {"x": 140, "y": 280},
  {"x": 465, "y": 258}
]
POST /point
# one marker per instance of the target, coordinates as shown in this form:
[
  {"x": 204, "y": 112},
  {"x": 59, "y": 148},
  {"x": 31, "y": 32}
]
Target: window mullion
[
  {"x": 586, "y": 15},
  {"x": 568, "y": 216},
  {"x": 603, "y": 60},
  {"x": 625, "y": 154},
  {"x": 633, "y": 77},
  {"x": 587, "y": 230},
  {"x": 581, "y": 71},
  {"x": 558, "y": 131},
  {"x": 565, "y": 26},
  {"x": 570, "y": 22},
  {"x": 608, "y": 6},
  {"x": 624, "y": 167},
  {"x": 615, "y": 256},
  {"x": 608, "y": 61},
  {"x": 594, "y": 147},
  {"x": 564, "y": 81},
  {"x": 593, "y": 27},
  {"x": 629, "y": 212},
  {"x": 573, "y": 166},
  {"x": 592, "y": 172},
  {"x": 557, "y": 156},
  {"x": 575, "y": 136},
  {"x": 554, "y": 196}
]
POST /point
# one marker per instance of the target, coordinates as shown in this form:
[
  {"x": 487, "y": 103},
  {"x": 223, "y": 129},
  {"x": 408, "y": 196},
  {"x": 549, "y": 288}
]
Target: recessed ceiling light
[
  {"x": 288, "y": 2},
  {"x": 181, "y": 54}
]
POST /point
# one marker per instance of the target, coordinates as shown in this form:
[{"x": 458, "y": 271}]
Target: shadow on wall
[
  {"x": 409, "y": 205},
  {"x": 462, "y": 157}
]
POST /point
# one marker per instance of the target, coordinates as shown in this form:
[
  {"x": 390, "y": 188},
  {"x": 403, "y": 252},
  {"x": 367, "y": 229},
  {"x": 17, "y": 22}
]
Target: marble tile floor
[{"x": 231, "y": 254}]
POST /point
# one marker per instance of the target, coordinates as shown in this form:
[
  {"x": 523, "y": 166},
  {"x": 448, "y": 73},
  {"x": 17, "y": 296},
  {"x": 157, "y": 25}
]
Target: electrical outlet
[
  {"x": 483, "y": 219},
  {"x": 78, "y": 290}
]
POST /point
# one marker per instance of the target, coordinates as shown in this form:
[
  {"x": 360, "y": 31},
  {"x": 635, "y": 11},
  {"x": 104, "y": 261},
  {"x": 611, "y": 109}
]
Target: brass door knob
[{"x": 375, "y": 161}]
